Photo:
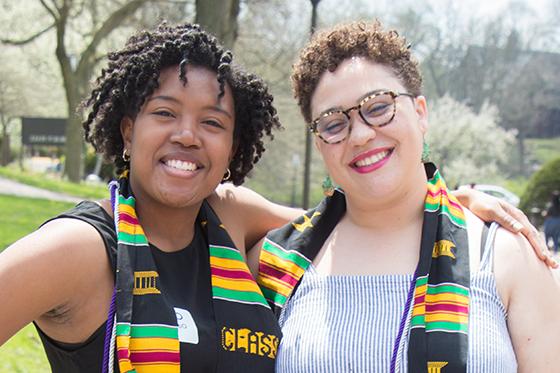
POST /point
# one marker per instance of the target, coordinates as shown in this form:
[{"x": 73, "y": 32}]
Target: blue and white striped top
[{"x": 349, "y": 323}]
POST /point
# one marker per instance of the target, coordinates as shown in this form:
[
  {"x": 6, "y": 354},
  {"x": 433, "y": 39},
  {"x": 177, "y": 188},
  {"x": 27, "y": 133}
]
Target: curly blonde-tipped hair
[{"x": 329, "y": 47}]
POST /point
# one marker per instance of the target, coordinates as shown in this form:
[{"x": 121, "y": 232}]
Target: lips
[{"x": 371, "y": 160}]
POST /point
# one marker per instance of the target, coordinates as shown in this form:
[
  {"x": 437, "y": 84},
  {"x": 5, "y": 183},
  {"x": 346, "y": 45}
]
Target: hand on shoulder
[{"x": 247, "y": 215}]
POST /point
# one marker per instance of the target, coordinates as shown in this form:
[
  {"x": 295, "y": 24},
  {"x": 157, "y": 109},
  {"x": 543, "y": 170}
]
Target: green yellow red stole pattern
[
  {"x": 435, "y": 319},
  {"x": 145, "y": 332},
  {"x": 143, "y": 345}
]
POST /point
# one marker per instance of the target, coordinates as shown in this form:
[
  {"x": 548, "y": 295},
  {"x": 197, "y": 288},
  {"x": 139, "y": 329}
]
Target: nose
[
  {"x": 360, "y": 132},
  {"x": 185, "y": 133}
]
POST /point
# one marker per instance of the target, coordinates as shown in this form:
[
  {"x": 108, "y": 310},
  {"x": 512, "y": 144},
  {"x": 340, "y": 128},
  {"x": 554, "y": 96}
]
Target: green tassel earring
[
  {"x": 425, "y": 152},
  {"x": 328, "y": 186}
]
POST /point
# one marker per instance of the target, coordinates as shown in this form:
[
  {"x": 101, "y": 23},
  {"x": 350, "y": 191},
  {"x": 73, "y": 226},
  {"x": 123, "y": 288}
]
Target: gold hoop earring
[
  {"x": 125, "y": 155},
  {"x": 227, "y": 175}
]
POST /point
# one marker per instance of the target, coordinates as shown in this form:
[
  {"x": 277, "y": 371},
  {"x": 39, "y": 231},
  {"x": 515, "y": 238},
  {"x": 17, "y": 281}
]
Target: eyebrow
[
  {"x": 176, "y": 101},
  {"x": 164, "y": 98},
  {"x": 335, "y": 108}
]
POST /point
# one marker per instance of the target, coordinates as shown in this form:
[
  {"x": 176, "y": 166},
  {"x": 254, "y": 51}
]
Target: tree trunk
[
  {"x": 5, "y": 159},
  {"x": 308, "y": 135},
  {"x": 219, "y": 17},
  {"x": 76, "y": 78},
  {"x": 521, "y": 144},
  {"x": 74, "y": 162}
]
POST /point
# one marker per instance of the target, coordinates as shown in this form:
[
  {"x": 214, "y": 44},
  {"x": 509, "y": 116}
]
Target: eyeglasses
[{"x": 376, "y": 110}]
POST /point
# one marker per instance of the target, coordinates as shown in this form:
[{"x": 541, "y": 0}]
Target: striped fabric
[
  {"x": 129, "y": 230},
  {"x": 151, "y": 347},
  {"x": 437, "y": 195},
  {"x": 279, "y": 271},
  {"x": 141, "y": 347},
  {"x": 146, "y": 334},
  {"x": 231, "y": 279},
  {"x": 349, "y": 324},
  {"x": 442, "y": 307}
]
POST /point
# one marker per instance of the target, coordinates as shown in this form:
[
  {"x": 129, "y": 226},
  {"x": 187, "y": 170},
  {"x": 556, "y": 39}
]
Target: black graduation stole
[
  {"x": 144, "y": 325},
  {"x": 435, "y": 317}
]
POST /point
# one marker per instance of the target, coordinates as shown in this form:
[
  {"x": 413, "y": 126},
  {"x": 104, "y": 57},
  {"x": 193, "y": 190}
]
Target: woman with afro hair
[{"x": 150, "y": 280}]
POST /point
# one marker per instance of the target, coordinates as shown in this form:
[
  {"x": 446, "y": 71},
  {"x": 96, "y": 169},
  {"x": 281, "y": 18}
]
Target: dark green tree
[{"x": 540, "y": 188}]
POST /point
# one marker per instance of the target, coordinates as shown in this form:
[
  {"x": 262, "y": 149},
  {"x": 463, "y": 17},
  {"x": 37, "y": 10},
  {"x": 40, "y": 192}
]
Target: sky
[{"x": 495, "y": 7}]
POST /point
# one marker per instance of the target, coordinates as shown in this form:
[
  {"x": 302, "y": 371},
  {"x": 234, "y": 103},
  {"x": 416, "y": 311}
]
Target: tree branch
[
  {"x": 61, "y": 53},
  {"x": 48, "y": 8},
  {"x": 106, "y": 28},
  {"x": 29, "y": 39}
]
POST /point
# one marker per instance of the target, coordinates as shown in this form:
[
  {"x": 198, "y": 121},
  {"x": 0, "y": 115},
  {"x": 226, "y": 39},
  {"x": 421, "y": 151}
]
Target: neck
[
  {"x": 168, "y": 228},
  {"x": 405, "y": 209}
]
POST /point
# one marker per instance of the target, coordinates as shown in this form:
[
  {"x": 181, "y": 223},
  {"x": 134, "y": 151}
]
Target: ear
[
  {"x": 422, "y": 113},
  {"x": 126, "y": 131}
]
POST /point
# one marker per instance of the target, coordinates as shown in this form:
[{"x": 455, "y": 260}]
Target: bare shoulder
[
  {"x": 531, "y": 294},
  {"x": 247, "y": 215},
  {"x": 239, "y": 197},
  {"x": 55, "y": 267},
  {"x": 517, "y": 268},
  {"x": 61, "y": 244}
]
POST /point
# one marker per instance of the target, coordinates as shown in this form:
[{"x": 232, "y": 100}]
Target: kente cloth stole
[
  {"x": 142, "y": 325},
  {"x": 435, "y": 317}
]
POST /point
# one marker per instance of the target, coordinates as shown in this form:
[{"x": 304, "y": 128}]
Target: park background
[{"x": 491, "y": 76}]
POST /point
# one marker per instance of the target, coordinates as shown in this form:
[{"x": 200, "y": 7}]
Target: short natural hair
[
  {"x": 132, "y": 76},
  {"x": 329, "y": 47}
]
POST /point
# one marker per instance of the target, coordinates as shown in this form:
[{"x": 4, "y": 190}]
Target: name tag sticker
[{"x": 188, "y": 332}]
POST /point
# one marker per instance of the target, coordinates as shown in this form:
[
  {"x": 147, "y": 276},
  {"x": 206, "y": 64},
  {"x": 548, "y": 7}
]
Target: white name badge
[{"x": 188, "y": 332}]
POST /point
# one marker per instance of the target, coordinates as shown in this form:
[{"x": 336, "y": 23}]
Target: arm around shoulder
[
  {"x": 249, "y": 215},
  {"x": 51, "y": 267},
  {"x": 531, "y": 293}
]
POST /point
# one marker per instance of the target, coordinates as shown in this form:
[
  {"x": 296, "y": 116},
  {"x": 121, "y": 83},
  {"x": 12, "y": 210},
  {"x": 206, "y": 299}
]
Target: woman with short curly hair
[
  {"x": 390, "y": 273},
  {"x": 132, "y": 75}
]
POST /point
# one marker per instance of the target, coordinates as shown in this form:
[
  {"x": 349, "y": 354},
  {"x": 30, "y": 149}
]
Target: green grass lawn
[
  {"x": 24, "y": 353},
  {"x": 82, "y": 190},
  {"x": 20, "y": 216}
]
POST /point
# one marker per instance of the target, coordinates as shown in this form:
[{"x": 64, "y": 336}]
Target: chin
[
  {"x": 380, "y": 188},
  {"x": 183, "y": 202},
  {"x": 178, "y": 197}
]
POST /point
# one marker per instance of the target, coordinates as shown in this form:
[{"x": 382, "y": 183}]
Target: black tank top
[
  {"x": 87, "y": 356},
  {"x": 185, "y": 278}
]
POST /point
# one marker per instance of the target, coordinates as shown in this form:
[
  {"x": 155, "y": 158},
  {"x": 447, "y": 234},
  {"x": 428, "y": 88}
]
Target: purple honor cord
[
  {"x": 113, "y": 189},
  {"x": 108, "y": 333},
  {"x": 403, "y": 322}
]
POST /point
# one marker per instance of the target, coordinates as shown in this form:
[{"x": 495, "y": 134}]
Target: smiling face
[
  {"x": 371, "y": 163},
  {"x": 181, "y": 141}
]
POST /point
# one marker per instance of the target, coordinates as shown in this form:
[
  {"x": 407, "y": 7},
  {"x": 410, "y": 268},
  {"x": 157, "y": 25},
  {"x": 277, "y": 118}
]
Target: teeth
[
  {"x": 181, "y": 165},
  {"x": 372, "y": 159}
]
